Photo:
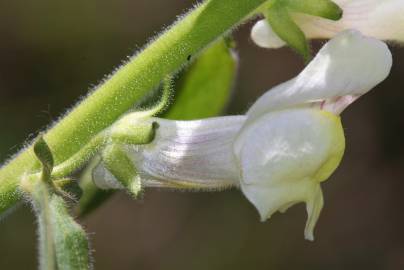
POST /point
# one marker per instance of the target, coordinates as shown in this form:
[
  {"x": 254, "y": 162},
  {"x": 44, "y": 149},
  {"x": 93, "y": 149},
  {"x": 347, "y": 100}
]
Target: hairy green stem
[
  {"x": 81, "y": 157},
  {"x": 165, "y": 55}
]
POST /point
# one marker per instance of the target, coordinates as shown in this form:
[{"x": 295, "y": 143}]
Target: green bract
[{"x": 280, "y": 18}]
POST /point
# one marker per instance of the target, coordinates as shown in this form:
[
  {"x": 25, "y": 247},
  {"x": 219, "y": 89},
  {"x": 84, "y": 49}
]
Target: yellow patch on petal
[{"x": 337, "y": 150}]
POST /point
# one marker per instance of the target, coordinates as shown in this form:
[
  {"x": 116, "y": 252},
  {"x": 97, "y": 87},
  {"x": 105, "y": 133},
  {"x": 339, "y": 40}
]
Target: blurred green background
[{"x": 53, "y": 52}]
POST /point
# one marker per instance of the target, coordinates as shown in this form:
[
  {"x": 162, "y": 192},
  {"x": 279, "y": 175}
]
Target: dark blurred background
[{"x": 52, "y": 52}]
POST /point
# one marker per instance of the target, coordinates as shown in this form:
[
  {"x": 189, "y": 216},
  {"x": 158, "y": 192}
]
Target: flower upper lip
[{"x": 348, "y": 65}]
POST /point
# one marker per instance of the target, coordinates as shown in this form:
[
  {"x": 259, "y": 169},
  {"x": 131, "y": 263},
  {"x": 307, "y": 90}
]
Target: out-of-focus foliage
[{"x": 205, "y": 88}]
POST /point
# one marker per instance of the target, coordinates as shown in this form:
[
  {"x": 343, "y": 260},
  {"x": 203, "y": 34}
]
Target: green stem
[
  {"x": 166, "y": 55},
  {"x": 80, "y": 158}
]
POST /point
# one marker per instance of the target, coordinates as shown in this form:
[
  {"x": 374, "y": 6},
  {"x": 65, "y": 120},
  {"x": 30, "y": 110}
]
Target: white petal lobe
[
  {"x": 349, "y": 64},
  {"x": 263, "y": 35}
]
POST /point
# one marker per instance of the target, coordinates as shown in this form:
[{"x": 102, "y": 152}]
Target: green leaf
[
  {"x": 205, "y": 87},
  {"x": 321, "y": 8},
  {"x": 63, "y": 244},
  {"x": 283, "y": 25},
  {"x": 40, "y": 197},
  {"x": 44, "y": 155},
  {"x": 70, "y": 240}
]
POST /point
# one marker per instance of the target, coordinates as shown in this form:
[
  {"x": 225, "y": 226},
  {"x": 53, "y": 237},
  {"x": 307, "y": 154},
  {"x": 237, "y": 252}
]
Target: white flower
[
  {"x": 381, "y": 19},
  {"x": 289, "y": 141}
]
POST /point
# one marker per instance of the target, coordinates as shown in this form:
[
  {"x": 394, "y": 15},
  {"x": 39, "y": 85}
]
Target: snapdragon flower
[
  {"x": 381, "y": 19},
  {"x": 280, "y": 151}
]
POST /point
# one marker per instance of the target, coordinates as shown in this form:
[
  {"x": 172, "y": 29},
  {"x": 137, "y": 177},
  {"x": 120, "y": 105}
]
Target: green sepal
[
  {"x": 127, "y": 131},
  {"x": 283, "y": 25},
  {"x": 92, "y": 195},
  {"x": 71, "y": 242},
  {"x": 320, "y": 8},
  {"x": 63, "y": 244},
  {"x": 118, "y": 163}
]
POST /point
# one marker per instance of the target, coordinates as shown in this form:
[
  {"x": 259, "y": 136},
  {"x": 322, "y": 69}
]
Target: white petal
[
  {"x": 263, "y": 35},
  {"x": 289, "y": 144},
  {"x": 382, "y": 19},
  {"x": 194, "y": 154},
  {"x": 349, "y": 64},
  {"x": 284, "y": 156}
]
